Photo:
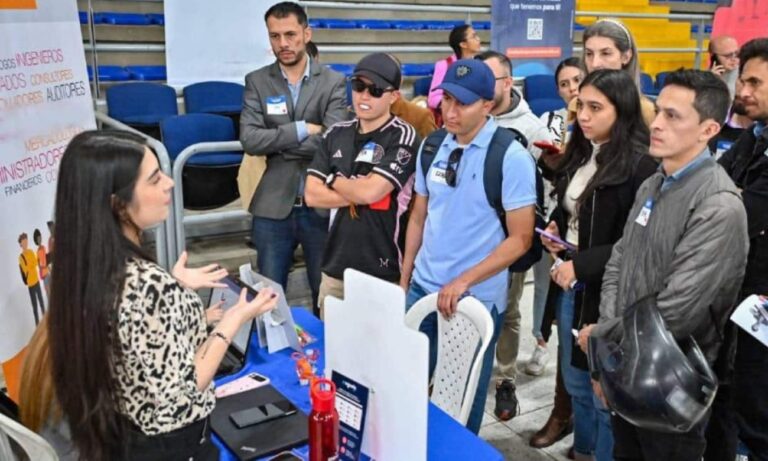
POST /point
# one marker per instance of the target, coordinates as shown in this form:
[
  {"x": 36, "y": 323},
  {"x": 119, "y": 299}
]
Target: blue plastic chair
[
  {"x": 661, "y": 77},
  {"x": 344, "y": 69},
  {"x": 83, "y": 15},
  {"x": 442, "y": 25},
  {"x": 208, "y": 180},
  {"x": 111, "y": 74},
  {"x": 380, "y": 24},
  {"x": 315, "y": 23},
  {"x": 530, "y": 68},
  {"x": 409, "y": 25},
  {"x": 339, "y": 23},
  {"x": 541, "y": 86},
  {"x": 213, "y": 97},
  {"x": 125, "y": 19},
  {"x": 157, "y": 18},
  {"x": 482, "y": 25},
  {"x": 647, "y": 86},
  {"x": 421, "y": 86},
  {"x": 141, "y": 104},
  {"x": 147, "y": 72},
  {"x": 418, "y": 69},
  {"x": 542, "y": 105}
]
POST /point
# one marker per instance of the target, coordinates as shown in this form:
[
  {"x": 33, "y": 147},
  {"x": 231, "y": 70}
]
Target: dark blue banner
[{"x": 535, "y": 34}]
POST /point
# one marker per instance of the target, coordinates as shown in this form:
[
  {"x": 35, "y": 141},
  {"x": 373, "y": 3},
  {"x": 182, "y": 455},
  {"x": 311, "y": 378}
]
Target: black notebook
[{"x": 263, "y": 439}]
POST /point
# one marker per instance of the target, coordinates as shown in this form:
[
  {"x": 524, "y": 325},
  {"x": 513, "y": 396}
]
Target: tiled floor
[{"x": 534, "y": 393}]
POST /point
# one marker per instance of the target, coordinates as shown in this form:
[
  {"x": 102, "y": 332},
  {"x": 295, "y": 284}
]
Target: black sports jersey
[{"x": 368, "y": 242}]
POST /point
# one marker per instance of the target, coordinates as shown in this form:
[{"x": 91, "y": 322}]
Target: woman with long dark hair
[
  {"x": 465, "y": 44},
  {"x": 606, "y": 160},
  {"x": 131, "y": 361}
]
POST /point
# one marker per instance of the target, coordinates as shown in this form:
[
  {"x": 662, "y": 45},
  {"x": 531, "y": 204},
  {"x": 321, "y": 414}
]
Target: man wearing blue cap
[{"x": 456, "y": 244}]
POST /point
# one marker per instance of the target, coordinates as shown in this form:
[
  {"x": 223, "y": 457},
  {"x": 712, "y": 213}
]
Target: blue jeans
[
  {"x": 277, "y": 239},
  {"x": 541, "y": 279},
  {"x": 429, "y": 328},
  {"x": 591, "y": 419}
]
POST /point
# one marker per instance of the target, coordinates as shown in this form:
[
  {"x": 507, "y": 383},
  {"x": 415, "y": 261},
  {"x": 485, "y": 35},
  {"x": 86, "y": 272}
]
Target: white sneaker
[{"x": 538, "y": 361}]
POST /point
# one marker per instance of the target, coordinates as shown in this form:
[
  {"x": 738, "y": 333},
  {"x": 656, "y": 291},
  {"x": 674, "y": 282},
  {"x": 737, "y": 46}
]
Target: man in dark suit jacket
[{"x": 286, "y": 107}]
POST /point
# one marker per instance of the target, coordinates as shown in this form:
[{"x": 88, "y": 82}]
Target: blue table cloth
[{"x": 446, "y": 438}]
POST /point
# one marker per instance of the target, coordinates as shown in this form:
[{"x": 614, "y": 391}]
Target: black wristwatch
[{"x": 329, "y": 180}]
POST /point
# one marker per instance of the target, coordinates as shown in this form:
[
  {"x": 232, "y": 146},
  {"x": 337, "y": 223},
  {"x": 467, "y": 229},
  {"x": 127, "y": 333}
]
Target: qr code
[{"x": 535, "y": 29}]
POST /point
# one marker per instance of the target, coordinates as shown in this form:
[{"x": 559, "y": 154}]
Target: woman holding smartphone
[
  {"x": 605, "y": 162},
  {"x": 131, "y": 361}
]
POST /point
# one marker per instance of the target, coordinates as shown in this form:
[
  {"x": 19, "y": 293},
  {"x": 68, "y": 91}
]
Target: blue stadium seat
[
  {"x": 578, "y": 27},
  {"x": 110, "y": 74},
  {"x": 481, "y": 25},
  {"x": 157, "y": 18},
  {"x": 530, "y": 68},
  {"x": 209, "y": 180},
  {"x": 647, "y": 86},
  {"x": 404, "y": 24},
  {"x": 213, "y": 98},
  {"x": 421, "y": 86},
  {"x": 660, "y": 78},
  {"x": 375, "y": 23},
  {"x": 315, "y": 23},
  {"x": 147, "y": 72},
  {"x": 418, "y": 69},
  {"x": 141, "y": 104},
  {"x": 344, "y": 69},
  {"x": 442, "y": 25},
  {"x": 541, "y": 86},
  {"x": 338, "y": 23},
  {"x": 542, "y": 105},
  {"x": 125, "y": 19},
  {"x": 83, "y": 15}
]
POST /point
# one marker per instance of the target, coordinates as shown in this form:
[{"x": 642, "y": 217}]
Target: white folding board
[{"x": 366, "y": 339}]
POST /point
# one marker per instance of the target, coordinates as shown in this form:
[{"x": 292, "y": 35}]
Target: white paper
[{"x": 752, "y": 317}]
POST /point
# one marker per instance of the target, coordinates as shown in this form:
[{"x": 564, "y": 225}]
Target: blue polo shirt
[{"x": 461, "y": 227}]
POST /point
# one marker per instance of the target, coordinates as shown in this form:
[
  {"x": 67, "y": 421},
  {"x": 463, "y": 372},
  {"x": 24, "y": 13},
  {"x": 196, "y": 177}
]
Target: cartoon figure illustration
[
  {"x": 29, "y": 275},
  {"x": 760, "y": 314},
  {"x": 42, "y": 261}
]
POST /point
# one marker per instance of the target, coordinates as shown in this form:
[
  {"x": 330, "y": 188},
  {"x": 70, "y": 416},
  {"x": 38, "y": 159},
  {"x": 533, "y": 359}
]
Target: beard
[{"x": 297, "y": 59}]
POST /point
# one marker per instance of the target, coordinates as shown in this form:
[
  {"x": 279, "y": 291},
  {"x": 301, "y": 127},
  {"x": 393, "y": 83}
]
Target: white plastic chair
[
  {"x": 461, "y": 345},
  {"x": 35, "y": 447}
]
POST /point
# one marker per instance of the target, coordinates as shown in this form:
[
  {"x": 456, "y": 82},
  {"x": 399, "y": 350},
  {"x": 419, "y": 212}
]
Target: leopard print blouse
[{"x": 160, "y": 326}]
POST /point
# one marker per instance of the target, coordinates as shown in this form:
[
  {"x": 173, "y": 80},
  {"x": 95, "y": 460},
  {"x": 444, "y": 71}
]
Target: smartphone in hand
[{"x": 556, "y": 239}]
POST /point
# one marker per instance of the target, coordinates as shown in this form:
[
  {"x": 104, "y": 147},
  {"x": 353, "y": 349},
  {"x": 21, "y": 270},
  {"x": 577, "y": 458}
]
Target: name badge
[
  {"x": 437, "y": 173},
  {"x": 276, "y": 105},
  {"x": 645, "y": 213},
  {"x": 370, "y": 153}
]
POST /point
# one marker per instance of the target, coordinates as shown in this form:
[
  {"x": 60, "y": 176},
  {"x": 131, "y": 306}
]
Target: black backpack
[{"x": 492, "y": 181}]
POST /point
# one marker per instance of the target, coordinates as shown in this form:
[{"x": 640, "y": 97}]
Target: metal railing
[
  {"x": 164, "y": 233},
  {"x": 178, "y": 197}
]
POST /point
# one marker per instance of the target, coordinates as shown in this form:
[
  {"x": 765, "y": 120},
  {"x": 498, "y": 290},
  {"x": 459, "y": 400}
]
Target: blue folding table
[{"x": 446, "y": 439}]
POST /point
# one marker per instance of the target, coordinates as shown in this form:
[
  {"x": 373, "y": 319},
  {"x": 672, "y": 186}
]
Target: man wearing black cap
[
  {"x": 456, "y": 243},
  {"x": 364, "y": 171}
]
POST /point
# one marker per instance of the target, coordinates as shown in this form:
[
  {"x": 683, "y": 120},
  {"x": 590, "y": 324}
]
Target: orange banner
[
  {"x": 12, "y": 372},
  {"x": 18, "y": 4}
]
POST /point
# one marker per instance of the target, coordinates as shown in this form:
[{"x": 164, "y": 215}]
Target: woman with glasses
[
  {"x": 465, "y": 44},
  {"x": 131, "y": 361},
  {"x": 605, "y": 162}
]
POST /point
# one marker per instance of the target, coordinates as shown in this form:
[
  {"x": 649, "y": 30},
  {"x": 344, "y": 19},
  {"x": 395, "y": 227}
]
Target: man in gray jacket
[
  {"x": 511, "y": 111},
  {"x": 685, "y": 240},
  {"x": 286, "y": 107}
]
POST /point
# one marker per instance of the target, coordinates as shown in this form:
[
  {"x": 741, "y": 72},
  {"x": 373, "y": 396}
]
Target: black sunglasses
[
  {"x": 358, "y": 86},
  {"x": 450, "y": 171}
]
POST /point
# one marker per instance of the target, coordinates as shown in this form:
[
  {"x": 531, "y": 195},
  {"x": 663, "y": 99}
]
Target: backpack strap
[
  {"x": 430, "y": 147},
  {"x": 493, "y": 171}
]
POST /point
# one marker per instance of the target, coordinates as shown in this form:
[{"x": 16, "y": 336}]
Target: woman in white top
[
  {"x": 131, "y": 361},
  {"x": 568, "y": 76}
]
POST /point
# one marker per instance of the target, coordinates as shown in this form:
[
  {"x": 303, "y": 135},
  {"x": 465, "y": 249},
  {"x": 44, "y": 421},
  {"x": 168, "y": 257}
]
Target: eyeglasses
[
  {"x": 733, "y": 55},
  {"x": 358, "y": 86},
  {"x": 450, "y": 171}
]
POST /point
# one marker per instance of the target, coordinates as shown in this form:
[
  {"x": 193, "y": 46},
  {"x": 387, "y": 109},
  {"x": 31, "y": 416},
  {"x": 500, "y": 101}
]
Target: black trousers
[
  {"x": 190, "y": 443},
  {"x": 631, "y": 443},
  {"x": 740, "y": 411}
]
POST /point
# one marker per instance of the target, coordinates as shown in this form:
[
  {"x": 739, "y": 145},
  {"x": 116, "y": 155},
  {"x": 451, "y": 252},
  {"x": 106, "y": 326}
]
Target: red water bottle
[{"x": 323, "y": 422}]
